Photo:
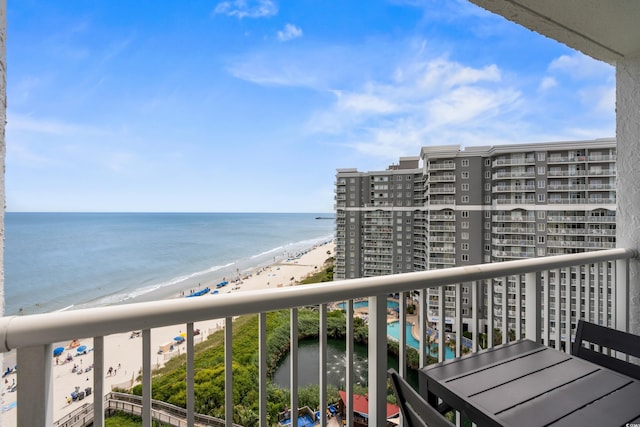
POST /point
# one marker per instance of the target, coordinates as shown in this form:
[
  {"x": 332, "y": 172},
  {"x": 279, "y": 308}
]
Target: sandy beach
[{"x": 123, "y": 354}]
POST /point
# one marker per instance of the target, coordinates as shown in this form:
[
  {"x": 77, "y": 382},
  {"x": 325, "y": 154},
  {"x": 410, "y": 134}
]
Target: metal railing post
[
  {"x": 146, "y": 377},
  {"x": 36, "y": 386},
  {"x": 262, "y": 368},
  {"x": 322, "y": 332},
  {"x": 228, "y": 371},
  {"x": 98, "y": 381},
  {"x": 622, "y": 295},
  {"x": 377, "y": 360},
  {"x": 293, "y": 357},
  {"x": 349, "y": 362},
  {"x": 533, "y": 307},
  {"x": 191, "y": 401}
]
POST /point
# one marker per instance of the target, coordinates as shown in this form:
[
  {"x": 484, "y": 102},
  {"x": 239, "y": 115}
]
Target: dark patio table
[{"x": 524, "y": 383}]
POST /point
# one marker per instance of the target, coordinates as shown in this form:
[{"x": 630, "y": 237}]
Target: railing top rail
[{"x": 41, "y": 329}]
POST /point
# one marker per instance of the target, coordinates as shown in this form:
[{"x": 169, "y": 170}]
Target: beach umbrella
[
  {"x": 81, "y": 349},
  {"x": 183, "y": 335},
  {"x": 58, "y": 351},
  {"x": 179, "y": 338}
]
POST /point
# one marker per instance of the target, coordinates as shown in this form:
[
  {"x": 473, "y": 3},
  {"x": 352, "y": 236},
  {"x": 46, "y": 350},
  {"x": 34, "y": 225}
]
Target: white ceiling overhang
[{"x": 607, "y": 30}]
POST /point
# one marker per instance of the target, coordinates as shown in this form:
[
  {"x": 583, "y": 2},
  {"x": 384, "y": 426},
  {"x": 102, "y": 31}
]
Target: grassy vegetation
[
  {"x": 121, "y": 419},
  {"x": 324, "y": 275},
  {"x": 169, "y": 382}
]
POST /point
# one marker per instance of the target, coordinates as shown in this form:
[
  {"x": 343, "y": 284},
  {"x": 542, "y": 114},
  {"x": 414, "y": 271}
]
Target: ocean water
[{"x": 62, "y": 261}]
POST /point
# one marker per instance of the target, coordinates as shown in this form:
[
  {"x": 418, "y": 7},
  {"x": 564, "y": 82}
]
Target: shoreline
[{"x": 123, "y": 352}]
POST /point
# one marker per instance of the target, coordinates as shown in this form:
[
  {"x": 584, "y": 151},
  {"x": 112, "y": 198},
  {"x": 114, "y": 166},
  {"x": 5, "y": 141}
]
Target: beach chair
[
  {"x": 415, "y": 410},
  {"x": 600, "y": 341}
]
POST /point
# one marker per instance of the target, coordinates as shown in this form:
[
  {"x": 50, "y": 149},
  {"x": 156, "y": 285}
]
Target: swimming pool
[
  {"x": 393, "y": 330},
  {"x": 365, "y": 303}
]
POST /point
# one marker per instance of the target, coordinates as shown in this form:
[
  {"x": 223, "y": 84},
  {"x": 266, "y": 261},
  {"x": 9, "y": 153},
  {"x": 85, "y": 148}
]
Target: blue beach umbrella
[
  {"x": 58, "y": 351},
  {"x": 81, "y": 349},
  {"x": 179, "y": 338}
]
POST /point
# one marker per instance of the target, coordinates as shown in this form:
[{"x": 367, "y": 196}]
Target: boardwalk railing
[{"x": 539, "y": 298}]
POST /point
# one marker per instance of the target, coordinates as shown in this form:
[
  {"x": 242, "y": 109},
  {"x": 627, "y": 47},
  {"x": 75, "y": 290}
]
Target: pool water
[
  {"x": 365, "y": 303},
  {"x": 393, "y": 330}
]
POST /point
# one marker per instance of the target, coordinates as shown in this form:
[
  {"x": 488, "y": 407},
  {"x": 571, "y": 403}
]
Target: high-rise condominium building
[{"x": 453, "y": 207}]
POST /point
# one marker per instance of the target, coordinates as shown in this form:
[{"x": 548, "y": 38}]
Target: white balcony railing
[{"x": 33, "y": 335}]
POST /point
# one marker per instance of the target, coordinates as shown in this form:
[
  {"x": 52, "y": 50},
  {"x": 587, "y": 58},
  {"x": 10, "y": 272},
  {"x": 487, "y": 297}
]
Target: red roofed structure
[{"x": 361, "y": 408}]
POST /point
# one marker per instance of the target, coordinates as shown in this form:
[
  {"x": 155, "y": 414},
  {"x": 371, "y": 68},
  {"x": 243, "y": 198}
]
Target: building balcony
[
  {"x": 442, "y": 178},
  {"x": 566, "y": 187},
  {"x": 442, "y": 201},
  {"x": 442, "y": 239},
  {"x": 581, "y": 200},
  {"x": 509, "y": 162},
  {"x": 514, "y": 175},
  {"x": 442, "y": 190},
  {"x": 513, "y": 188},
  {"x": 513, "y": 230},
  {"x": 442, "y": 217},
  {"x": 513, "y": 218},
  {"x": 441, "y": 166},
  {"x": 514, "y": 201},
  {"x": 34, "y": 336},
  {"x": 444, "y": 228}
]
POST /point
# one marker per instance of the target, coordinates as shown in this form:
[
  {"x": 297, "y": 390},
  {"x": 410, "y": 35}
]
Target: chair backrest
[
  {"x": 602, "y": 337},
  {"x": 415, "y": 410}
]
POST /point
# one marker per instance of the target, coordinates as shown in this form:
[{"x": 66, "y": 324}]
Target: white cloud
[
  {"x": 26, "y": 123},
  {"x": 290, "y": 32},
  {"x": 364, "y": 103},
  {"x": 547, "y": 83},
  {"x": 247, "y": 9},
  {"x": 580, "y": 66},
  {"x": 601, "y": 99},
  {"x": 438, "y": 101}
]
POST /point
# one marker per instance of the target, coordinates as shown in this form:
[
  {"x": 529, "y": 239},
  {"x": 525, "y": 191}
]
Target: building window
[
  {"x": 464, "y": 257},
  {"x": 464, "y": 224},
  {"x": 541, "y": 227},
  {"x": 487, "y": 186},
  {"x": 542, "y": 251},
  {"x": 540, "y": 239},
  {"x": 541, "y": 157},
  {"x": 465, "y": 162},
  {"x": 541, "y": 214},
  {"x": 487, "y": 225},
  {"x": 541, "y": 183},
  {"x": 487, "y": 174},
  {"x": 465, "y": 214},
  {"x": 408, "y": 177},
  {"x": 465, "y": 175},
  {"x": 487, "y": 162},
  {"x": 487, "y": 248},
  {"x": 487, "y": 214},
  {"x": 487, "y": 258},
  {"x": 541, "y": 197},
  {"x": 541, "y": 170},
  {"x": 465, "y": 246},
  {"x": 487, "y": 199},
  {"x": 465, "y": 187},
  {"x": 487, "y": 236},
  {"x": 465, "y": 199},
  {"x": 464, "y": 235}
]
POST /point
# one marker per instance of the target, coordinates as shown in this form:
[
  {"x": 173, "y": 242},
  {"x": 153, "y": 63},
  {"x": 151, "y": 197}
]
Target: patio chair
[
  {"x": 601, "y": 337},
  {"x": 415, "y": 410}
]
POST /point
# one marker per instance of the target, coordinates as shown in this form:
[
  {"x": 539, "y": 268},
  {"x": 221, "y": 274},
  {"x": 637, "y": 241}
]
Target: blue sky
[{"x": 249, "y": 105}]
